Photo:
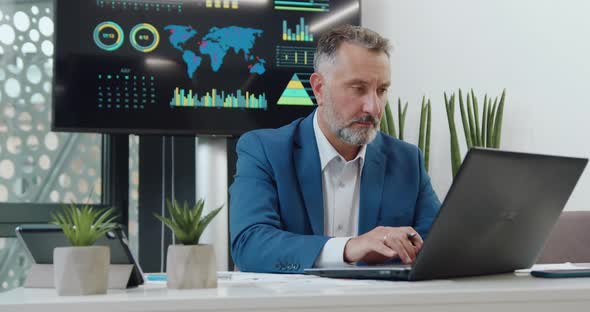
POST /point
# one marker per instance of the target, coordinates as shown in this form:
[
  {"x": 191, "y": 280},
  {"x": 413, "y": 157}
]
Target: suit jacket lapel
[
  {"x": 309, "y": 174},
  {"x": 372, "y": 179}
]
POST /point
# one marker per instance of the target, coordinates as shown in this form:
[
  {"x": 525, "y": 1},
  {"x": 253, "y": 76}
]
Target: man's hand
[{"x": 382, "y": 244}]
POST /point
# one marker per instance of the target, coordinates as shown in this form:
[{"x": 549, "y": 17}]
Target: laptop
[{"x": 496, "y": 217}]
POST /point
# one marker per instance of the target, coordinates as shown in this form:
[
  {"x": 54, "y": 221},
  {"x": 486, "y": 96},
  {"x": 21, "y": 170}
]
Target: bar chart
[
  {"x": 301, "y": 32},
  {"x": 303, "y": 5},
  {"x": 216, "y": 99},
  {"x": 298, "y": 57}
]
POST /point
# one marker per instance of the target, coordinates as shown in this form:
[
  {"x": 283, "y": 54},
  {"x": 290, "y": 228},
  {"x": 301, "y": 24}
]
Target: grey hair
[{"x": 331, "y": 40}]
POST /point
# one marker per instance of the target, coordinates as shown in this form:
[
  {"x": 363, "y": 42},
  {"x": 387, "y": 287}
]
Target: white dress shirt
[{"x": 341, "y": 181}]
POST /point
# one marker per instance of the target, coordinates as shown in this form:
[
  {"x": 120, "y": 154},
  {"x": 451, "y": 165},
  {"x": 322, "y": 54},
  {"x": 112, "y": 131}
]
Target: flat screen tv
[{"x": 199, "y": 67}]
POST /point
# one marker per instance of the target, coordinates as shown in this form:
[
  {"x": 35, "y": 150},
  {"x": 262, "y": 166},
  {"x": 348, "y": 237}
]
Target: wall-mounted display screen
[{"x": 188, "y": 67}]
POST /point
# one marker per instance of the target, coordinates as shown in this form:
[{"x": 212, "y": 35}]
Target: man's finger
[
  {"x": 384, "y": 250},
  {"x": 402, "y": 246},
  {"x": 416, "y": 240},
  {"x": 402, "y": 243},
  {"x": 409, "y": 248},
  {"x": 400, "y": 250}
]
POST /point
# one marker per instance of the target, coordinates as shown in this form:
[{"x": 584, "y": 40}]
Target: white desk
[{"x": 498, "y": 293}]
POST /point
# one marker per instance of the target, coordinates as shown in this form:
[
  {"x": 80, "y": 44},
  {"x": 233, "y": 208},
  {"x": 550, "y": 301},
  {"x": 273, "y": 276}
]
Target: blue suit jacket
[{"x": 276, "y": 201}]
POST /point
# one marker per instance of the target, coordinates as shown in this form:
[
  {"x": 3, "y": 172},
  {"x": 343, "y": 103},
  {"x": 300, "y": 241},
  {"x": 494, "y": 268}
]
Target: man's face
[{"x": 353, "y": 94}]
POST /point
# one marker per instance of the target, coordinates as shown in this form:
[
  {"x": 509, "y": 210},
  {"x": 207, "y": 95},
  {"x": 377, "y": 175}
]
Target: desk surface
[{"x": 269, "y": 292}]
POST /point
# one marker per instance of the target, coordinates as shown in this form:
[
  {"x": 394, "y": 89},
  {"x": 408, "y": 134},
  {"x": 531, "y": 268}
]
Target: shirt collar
[{"x": 327, "y": 151}]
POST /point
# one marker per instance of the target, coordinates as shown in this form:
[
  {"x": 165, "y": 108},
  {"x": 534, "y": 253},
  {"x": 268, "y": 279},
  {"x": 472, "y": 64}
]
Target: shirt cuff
[{"x": 332, "y": 254}]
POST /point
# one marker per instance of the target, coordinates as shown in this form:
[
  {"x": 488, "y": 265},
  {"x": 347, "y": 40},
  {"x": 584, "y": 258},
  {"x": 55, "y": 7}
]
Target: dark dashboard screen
[{"x": 187, "y": 67}]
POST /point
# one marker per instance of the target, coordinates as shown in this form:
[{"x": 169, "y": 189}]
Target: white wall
[{"x": 539, "y": 50}]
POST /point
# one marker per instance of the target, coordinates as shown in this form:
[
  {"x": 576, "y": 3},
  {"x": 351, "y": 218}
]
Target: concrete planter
[
  {"x": 191, "y": 266},
  {"x": 81, "y": 270}
]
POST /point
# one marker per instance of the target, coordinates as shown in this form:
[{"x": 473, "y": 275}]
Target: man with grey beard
[{"x": 331, "y": 189}]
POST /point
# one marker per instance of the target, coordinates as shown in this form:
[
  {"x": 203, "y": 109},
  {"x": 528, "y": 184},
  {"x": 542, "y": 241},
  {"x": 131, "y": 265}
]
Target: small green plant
[
  {"x": 488, "y": 132},
  {"x": 83, "y": 224},
  {"x": 387, "y": 122},
  {"x": 185, "y": 222},
  {"x": 388, "y": 125},
  {"x": 484, "y": 133}
]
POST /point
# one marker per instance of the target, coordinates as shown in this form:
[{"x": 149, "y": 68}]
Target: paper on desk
[
  {"x": 258, "y": 277},
  {"x": 304, "y": 283},
  {"x": 291, "y": 283},
  {"x": 314, "y": 285},
  {"x": 296, "y": 283},
  {"x": 291, "y": 279},
  {"x": 555, "y": 266}
]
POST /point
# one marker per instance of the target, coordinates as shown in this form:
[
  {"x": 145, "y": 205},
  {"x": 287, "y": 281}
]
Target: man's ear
[{"x": 317, "y": 85}]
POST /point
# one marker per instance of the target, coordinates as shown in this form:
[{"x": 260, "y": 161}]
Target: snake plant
[
  {"x": 388, "y": 125},
  {"x": 484, "y": 133},
  {"x": 185, "y": 222},
  {"x": 387, "y": 122}
]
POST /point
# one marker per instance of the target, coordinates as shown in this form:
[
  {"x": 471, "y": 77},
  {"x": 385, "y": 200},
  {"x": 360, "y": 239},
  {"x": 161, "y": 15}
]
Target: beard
[{"x": 344, "y": 130}]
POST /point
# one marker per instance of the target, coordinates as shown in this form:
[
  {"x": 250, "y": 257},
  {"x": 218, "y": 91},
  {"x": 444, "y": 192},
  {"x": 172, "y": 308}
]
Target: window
[{"x": 37, "y": 166}]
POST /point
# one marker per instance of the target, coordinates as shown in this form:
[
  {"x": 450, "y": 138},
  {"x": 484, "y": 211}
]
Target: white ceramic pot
[
  {"x": 191, "y": 266},
  {"x": 81, "y": 270}
]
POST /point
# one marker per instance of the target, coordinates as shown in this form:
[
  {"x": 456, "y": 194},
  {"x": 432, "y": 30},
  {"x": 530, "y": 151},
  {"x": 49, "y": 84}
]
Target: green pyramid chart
[{"x": 295, "y": 93}]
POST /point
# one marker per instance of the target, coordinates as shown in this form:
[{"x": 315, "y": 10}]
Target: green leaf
[
  {"x": 427, "y": 145},
  {"x": 476, "y": 118},
  {"x": 422, "y": 124},
  {"x": 405, "y": 112},
  {"x": 383, "y": 125},
  {"x": 186, "y": 222},
  {"x": 400, "y": 118},
  {"x": 498, "y": 122},
  {"x": 466, "y": 128},
  {"x": 471, "y": 121},
  {"x": 206, "y": 220},
  {"x": 390, "y": 121},
  {"x": 484, "y": 121},
  {"x": 492, "y": 125},
  {"x": 455, "y": 150},
  {"x": 489, "y": 122},
  {"x": 172, "y": 226}
]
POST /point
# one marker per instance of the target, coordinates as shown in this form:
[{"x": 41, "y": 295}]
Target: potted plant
[
  {"x": 82, "y": 269},
  {"x": 190, "y": 265},
  {"x": 487, "y": 134},
  {"x": 388, "y": 125}
]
